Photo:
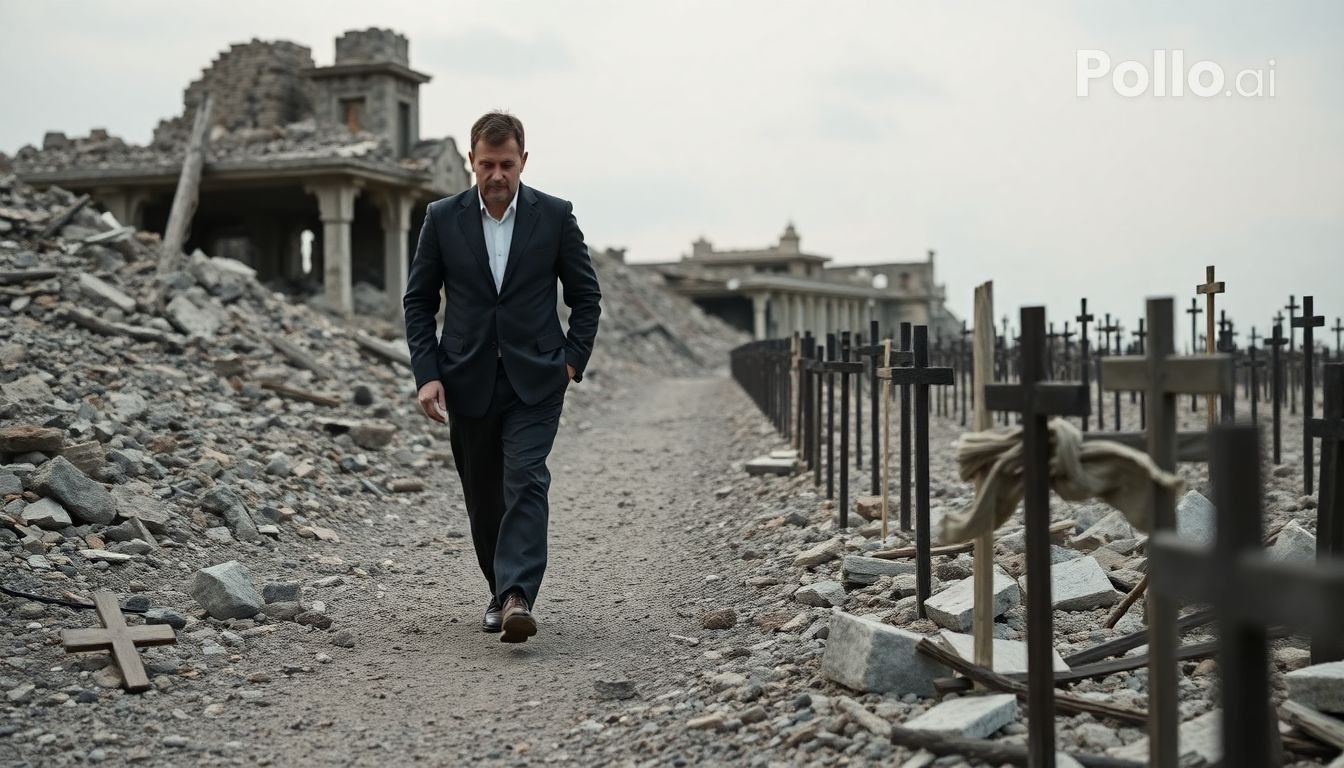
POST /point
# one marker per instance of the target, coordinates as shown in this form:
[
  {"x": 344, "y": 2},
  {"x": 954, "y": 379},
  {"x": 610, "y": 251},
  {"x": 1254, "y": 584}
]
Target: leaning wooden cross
[
  {"x": 1165, "y": 375},
  {"x": 1249, "y": 592},
  {"x": 120, "y": 639}
]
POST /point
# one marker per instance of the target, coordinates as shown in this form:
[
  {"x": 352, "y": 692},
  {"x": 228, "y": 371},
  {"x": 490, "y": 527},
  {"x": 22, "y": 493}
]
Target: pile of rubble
[{"x": 195, "y": 438}]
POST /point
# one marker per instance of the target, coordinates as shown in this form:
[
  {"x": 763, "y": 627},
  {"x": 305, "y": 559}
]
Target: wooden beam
[{"x": 188, "y": 190}]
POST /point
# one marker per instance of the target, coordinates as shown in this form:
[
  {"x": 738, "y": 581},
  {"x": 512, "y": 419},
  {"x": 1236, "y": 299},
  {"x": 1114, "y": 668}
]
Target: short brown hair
[{"x": 497, "y": 128}]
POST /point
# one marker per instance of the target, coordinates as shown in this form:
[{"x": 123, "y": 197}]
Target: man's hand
[
  {"x": 432, "y": 402},
  {"x": 570, "y": 370}
]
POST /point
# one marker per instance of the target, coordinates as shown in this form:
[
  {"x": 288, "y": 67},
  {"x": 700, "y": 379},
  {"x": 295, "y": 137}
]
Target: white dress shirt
[{"x": 498, "y": 236}]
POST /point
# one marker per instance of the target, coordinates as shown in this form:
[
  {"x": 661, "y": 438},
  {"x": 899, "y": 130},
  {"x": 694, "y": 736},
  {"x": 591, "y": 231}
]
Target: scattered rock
[
  {"x": 85, "y": 499},
  {"x": 970, "y": 717},
  {"x": 226, "y": 591},
  {"x": 954, "y": 607},
  {"x": 866, "y": 655}
]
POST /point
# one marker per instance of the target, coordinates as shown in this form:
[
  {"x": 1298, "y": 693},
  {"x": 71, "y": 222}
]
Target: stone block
[
  {"x": 857, "y": 569},
  {"x": 954, "y": 607},
  {"x": 47, "y": 514},
  {"x": 1320, "y": 686},
  {"x": 822, "y": 594},
  {"x": 1294, "y": 543},
  {"x": 821, "y": 553},
  {"x": 770, "y": 465},
  {"x": 1078, "y": 585},
  {"x": 970, "y": 717},
  {"x": 84, "y": 498},
  {"x": 1010, "y": 656},
  {"x": 226, "y": 591},
  {"x": 864, "y": 654},
  {"x": 1109, "y": 528}
]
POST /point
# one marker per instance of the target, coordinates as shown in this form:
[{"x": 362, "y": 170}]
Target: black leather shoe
[
  {"x": 494, "y": 616},
  {"x": 518, "y": 622}
]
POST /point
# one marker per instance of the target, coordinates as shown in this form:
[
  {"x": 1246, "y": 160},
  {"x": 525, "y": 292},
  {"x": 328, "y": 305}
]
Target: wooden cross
[
  {"x": 1194, "y": 312},
  {"x": 1068, "y": 335},
  {"x": 1210, "y": 288},
  {"x": 1252, "y": 379},
  {"x": 1292, "y": 306},
  {"x": 921, "y": 377},
  {"x": 872, "y": 353},
  {"x": 1108, "y": 329},
  {"x": 1038, "y": 400},
  {"x": 803, "y": 377},
  {"x": 1276, "y": 343},
  {"x": 1050, "y": 337},
  {"x": 1165, "y": 376},
  {"x": 1085, "y": 364},
  {"x": 120, "y": 639},
  {"x": 891, "y": 358},
  {"x": 1307, "y": 321},
  {"x": 1249, "y": 593},
  {"x": 1338, "y": 329},
  {"x": 1329, "y": 429},
  {"x": 1139, "y": 337},
  {"x": 907, "y": 334},
  {"x": 845, "y": 368},
  {"x": 962, "y": 360}
]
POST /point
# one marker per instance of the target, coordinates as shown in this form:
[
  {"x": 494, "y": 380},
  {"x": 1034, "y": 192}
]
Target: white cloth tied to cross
[{"x": 1119, "y": 475}]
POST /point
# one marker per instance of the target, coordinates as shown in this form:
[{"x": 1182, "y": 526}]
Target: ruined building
[
  {"x": 317, "y": 177},
  {"x": 773, "y": 291}
]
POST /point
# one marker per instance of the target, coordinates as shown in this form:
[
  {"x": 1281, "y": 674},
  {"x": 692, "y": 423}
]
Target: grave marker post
[
  {"x": 1276, "y": 343},
  {"x": 1308, "y": 321},
  {"x": 1085, "y": 364},
  {"x": 1210, "y": 289}
]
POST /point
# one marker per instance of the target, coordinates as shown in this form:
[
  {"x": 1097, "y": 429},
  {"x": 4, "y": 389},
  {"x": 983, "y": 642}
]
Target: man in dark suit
[{"x": 499, "y": 369}]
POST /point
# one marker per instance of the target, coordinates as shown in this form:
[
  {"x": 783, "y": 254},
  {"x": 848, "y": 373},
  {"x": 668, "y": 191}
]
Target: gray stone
[
  {"x": 1196, "y": 518},
  {"x": 220, "y": 534},
  {"x": 85, "y": 499},
  {"x": 822, "y": 594},
  {"x": 954, "y": 607},
  {"x": 47, "y": 514},
  {"x": 765, "y": 465},
  {"x": 194, "y": 320},
  {"x": 283, "y": 611},
  {"x": 105, "y": 556},
  {"x": 857, "y": 569},
  {"x": 1010, "y": 656},
  {"x": 864, "y": 654},
  {"x": 130, "y": 529},
  {"x": 1200, "y": 741},
  {"x": 970, "y": 717},
  {"x": 373, "y": 436},
  {"x": 104, "y": 292},
  {"x": 226, "y": 591},
  {"x": 1109, "y": 528},
  {"x": 821, "y": 553},
  {"x": 614, "y": 689},
  {"x": 225, "y": 501},
  {"x": 1320, "y": 686},
  {"x": 165, "y": 616},
  {"x": 24, "y": 438},
  {"x": 1078, "y": 585},
  {"x": 147, "y": 509},
  {"x": 10, "y": 484},
  {"x": 30, "y": 387},
  {"x": 280, "y": 591},
  {"x": 1294, "y": 543}
]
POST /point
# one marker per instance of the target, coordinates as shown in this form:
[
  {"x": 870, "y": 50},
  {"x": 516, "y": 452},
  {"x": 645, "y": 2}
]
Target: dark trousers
[{"x": 501, "y": 458}]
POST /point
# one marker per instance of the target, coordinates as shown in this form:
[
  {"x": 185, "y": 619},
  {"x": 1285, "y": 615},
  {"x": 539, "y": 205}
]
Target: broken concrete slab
[
  {"x": 192, "y": 319},
  {"x": 1319, "y": 686},
  {"x": 86, "y": 499},
  {"x": 1293, "y": 544},
  {"x": 47, "y": 514},
  {"x": 821, "y": 553},
  {"x": 970, "y": 717},
  {"x": 1010, "y": 656},
  {"x": 1109, "y": 528},
  {"x": 769, "y": 465},
  {"x": 1200, "y": 741},
  {"x": 954, "y": 607},
  {"x": 864, "y": 654},
  {"x": 1079, "y": 585},
  {"x": 822, "y": 594},
  {"x": 857, "y": 569},
  {"x": 226, "y": 591},
  {"x": 104, "y": 292}
]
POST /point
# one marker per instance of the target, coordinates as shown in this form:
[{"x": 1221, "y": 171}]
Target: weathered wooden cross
[
  {"x": 845, "y": 368},
  {"x": 1329, "y": 429},
  {"x": 1194, "y": 312},
  {"x": 1307, "y": 321},
  {"x": 962, "y": 362},
  {"x": 120, "y": 639},
  {"x": 1038, "y": 400},
  {"x": 921, "y": 377},
  {"x": 907, "y": 332},
  {"x": 1165, "y": 376},
  {"x": 1249, "y": 593},
  {"x": 1338, "y": 329},
  {"x": 1139, "y": 337},
  {"x": 1252, "y": 364},
  {"x": 873, "y": 353},
  {"x": 1276, "y": 343},
  {"x": 1085, "y": 362},
  {"x": 1292, "y": 306},
  {"x": 1210, "y": 288}
]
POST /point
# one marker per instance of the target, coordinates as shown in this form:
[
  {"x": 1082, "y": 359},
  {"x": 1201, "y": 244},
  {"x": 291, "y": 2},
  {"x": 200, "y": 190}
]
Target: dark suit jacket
[{"x": 520, "y": 319}]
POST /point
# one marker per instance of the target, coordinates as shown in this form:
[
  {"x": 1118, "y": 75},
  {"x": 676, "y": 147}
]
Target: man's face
[{"x": 497, "y": 167}]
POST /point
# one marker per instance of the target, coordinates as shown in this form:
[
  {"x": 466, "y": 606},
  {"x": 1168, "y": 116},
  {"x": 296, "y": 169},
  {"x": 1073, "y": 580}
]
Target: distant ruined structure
[
  {"x": 772, "y": 292},
  {"x": 326, "y": 162}
]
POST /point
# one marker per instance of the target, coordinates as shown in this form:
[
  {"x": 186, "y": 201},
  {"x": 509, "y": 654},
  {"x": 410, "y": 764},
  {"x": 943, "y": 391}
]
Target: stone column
[
  {"x": 336, "y": 207},
  {"x": 799, "y": 321},
  {"x": 758, "y": 301},
  {"x": 124, "y": 204},
  {"x": 810, "y": 315},
  {"x": 395, "y": 207}
]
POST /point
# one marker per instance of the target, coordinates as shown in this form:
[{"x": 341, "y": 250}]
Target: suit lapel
[
  {"x": 469, "y": 222},
  {"x": 523, "y": 225}
]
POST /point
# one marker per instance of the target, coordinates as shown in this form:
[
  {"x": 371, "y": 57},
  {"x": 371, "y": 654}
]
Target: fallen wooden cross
[{"x": 120, "y": 639}]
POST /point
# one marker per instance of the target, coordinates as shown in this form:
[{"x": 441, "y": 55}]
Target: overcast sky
[{"x": 881, "y": 129}]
